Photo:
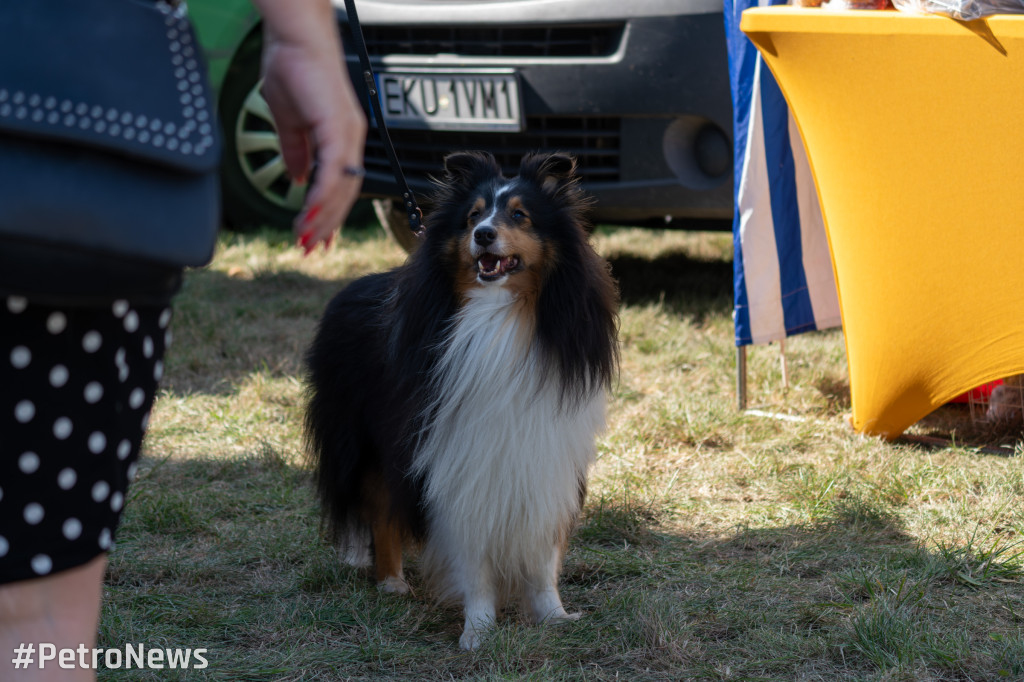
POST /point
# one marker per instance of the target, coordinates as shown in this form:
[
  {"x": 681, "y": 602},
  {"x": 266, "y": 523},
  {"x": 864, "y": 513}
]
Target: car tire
[
  {"x": 255, "y": 185},
  {"x": 395, "y": 222}
]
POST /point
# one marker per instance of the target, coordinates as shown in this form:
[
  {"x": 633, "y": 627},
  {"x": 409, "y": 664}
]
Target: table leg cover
[{"x": 913, "y": 131}]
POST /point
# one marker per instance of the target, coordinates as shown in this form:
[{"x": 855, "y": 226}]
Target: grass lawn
[{"x": 714, "y": 545}]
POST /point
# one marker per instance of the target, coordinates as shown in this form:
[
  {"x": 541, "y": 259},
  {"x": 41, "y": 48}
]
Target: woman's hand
[{"x": 318, "y": 118}]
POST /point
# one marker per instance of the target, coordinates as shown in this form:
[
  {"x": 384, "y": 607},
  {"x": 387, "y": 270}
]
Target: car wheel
[
  {"x": 395, "y": 222},
  {"x": 255, "y": 184}
]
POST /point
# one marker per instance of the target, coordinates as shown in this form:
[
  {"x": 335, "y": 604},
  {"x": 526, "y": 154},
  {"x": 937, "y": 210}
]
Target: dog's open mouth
[{"x": 491, "y": 267}]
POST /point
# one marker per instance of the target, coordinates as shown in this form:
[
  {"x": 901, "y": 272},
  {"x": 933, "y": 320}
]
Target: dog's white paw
[
  {"x": 394, "y": 585},
  {"x": 354, "y": 547},
  {"x": 546, "y": 607},
  {"x": 563, "y": 617},
  {"x": 356, "y": 557},
  {"x": 471, "y": 639}
]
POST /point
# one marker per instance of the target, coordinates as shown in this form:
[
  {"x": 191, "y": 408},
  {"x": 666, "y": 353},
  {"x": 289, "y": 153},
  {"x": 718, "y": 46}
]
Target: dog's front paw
[
  {"x": 471, "y": 639},
  {"x": 563, "y": 617},
  {"x": 547, "y": 608},
  {"x": 394, "y": 585},
  {"x": 354, "y": 548}
]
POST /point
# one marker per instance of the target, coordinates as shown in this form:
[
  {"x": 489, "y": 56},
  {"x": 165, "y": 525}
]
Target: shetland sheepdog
[{"x": 453, "y": 402}]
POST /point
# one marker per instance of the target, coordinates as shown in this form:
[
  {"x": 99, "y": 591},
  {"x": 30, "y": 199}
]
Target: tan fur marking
[
  {"x": 387, "y": 548},
  {"x": 465, "y": 279},
  {"x": 479, "y": 205},
  {"x": 388, "y": 533},
  {"x": 523, "y": 243}
]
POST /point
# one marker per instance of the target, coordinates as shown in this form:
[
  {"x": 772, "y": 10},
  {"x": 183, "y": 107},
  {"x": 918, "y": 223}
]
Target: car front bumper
[{"x": 647, "y": 111}]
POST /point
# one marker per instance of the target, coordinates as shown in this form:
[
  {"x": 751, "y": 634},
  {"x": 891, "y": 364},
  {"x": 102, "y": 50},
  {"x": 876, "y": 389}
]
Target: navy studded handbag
[{"x": 109, "y": 147}]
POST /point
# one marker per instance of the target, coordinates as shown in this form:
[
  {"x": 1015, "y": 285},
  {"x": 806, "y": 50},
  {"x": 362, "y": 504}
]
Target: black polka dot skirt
[{"x": 76, "y": 387}]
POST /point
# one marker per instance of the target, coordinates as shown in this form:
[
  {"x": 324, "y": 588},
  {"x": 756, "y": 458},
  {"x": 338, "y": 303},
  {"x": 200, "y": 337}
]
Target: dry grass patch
[{"x": 714, "y": 545}]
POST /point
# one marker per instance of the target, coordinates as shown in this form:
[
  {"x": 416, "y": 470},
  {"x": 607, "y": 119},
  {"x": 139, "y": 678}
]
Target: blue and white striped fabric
[{"x": 782, "y": 271}]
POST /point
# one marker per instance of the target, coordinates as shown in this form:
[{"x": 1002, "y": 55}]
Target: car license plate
[{"x": 451, "y": 101}]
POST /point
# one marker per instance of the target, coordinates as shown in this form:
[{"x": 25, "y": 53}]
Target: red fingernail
[
  {"x": 305, "y": 237},
  {"x": 311, "y": 214}
]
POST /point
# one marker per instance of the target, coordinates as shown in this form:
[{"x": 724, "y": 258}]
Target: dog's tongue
[
  {"x": 492, "y": 266},
  {"x": 489, "y": 262}
]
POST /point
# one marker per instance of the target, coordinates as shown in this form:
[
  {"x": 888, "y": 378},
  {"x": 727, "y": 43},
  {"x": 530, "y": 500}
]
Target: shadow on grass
[
  {"x": 240, "y": 563},
  {"x": 956, "y": 425},
  {"x": 687, "y": 286},
  {"x": 227, "y": 328},
  {"x": 850, "y": 596},
  {"x": 837, "y": 391}
]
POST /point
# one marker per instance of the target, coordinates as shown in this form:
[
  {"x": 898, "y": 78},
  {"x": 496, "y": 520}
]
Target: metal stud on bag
[{"x": 126, "y": 131}]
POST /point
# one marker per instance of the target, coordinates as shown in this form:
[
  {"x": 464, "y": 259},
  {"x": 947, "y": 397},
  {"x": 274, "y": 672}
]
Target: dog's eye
[
  {"x": 518, "y": 214},
  {"x": 474, "y": 214}
]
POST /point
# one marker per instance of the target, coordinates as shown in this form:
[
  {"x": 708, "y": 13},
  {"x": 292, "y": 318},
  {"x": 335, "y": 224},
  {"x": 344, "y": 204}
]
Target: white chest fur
[{"x": 504, "y": 460}]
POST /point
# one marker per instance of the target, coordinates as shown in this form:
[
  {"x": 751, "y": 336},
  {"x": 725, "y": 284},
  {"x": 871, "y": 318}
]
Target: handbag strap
[{"x": 412, "y": 210}]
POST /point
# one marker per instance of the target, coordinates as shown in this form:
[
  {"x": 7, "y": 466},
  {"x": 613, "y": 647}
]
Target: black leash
[{"x": 408, "y": 199}]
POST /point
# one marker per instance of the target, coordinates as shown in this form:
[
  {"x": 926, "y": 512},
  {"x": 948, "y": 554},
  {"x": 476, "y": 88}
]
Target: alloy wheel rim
[{"x": 258, "y": 150}]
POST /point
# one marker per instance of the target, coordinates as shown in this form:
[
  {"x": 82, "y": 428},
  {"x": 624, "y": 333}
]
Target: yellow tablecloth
[{"x": 914, "y": 126}]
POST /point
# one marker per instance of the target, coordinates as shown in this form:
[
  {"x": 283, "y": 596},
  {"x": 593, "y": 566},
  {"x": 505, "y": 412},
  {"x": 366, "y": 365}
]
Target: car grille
[
  {"x": 599, "y": 40},
  {"x": 593, "y": 140}
]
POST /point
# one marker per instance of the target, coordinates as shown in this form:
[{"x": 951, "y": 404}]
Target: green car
[{"x": 256, "y": 185}]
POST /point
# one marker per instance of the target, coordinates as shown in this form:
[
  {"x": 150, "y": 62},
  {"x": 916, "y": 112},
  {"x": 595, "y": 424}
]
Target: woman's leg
[{"x": 61, "y": 609}]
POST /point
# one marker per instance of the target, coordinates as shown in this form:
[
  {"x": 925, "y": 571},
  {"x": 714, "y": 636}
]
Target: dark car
[{"x": 637, "y": 90}]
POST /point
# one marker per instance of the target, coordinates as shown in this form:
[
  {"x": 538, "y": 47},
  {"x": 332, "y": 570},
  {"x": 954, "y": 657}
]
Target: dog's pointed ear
[
  {"x": 553, "y": 172},
  {"x": 465, "y": 169}
]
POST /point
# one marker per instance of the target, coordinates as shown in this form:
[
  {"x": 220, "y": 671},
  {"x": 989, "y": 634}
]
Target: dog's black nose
[{"x": 485, "y": 235}]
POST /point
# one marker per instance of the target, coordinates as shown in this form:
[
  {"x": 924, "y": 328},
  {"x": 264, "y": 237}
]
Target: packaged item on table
[
  {"x": 858, "y": 4},
  {"x": 965, "y": 10}
]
